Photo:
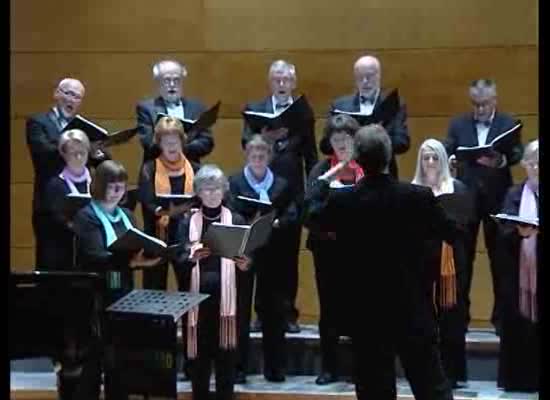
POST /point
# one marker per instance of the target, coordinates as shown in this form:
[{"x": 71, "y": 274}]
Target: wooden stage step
[{"x": 41, "y": 386}]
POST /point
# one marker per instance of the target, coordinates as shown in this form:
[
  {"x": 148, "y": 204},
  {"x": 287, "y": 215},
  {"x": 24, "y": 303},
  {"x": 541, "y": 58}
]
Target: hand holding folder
[
  {"x": 498, "y": 145},
  {"x": 291, "y": 118},
  {"x": 205, "y": 120}
]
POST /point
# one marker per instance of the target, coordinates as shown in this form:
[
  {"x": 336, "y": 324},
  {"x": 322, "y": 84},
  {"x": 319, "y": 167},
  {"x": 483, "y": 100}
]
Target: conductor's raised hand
[
  {"x": 140, "y": 261},
  {"x": 331, "y": 173},
  {"x": 242, "y": 262}
]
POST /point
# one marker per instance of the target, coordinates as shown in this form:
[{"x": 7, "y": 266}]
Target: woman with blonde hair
[
  {"x": 170, "y": 173},
  {"x": 447, "y": 263},
  {"x": 75, "y": 178}
]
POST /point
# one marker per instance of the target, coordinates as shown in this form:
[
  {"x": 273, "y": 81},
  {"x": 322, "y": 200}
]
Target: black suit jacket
[
  {"x": 292, "y": 154},
  {"x": 397, "y": 128},
  {"x": 489, "y": 183},
  {"x": 42, "y": 139},
  {"x": 383, "y": 225},
  {"x": 199, "y": 144}
]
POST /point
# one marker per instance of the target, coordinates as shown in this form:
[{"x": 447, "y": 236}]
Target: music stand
[{"x": 141, "y": 342}]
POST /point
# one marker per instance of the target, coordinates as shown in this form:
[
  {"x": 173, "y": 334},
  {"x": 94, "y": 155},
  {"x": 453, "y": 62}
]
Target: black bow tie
[
  {"x": 486, "y": 124},
  {"x": 279, "y": 106},
  {"x": 176, "y": 104},
  {"x": 366, "y": 99}
]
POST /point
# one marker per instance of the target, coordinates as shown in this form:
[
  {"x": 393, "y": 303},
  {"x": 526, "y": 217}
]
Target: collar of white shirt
[{"x": 274, "y": 102}]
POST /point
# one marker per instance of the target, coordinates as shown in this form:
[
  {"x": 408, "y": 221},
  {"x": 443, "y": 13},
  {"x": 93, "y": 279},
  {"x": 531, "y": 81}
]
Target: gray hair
[
  {"x": 531, "y": 151},
  {"x": 445, "y": 179},
  {"x": 483, "y": 86},
  {"x": 284, "y": 66},
  {"x": 373, "y": 150},
  {"x": 210, "y": 173},
  {"x": 158, "y": 67}
]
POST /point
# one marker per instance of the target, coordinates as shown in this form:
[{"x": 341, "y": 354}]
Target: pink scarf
[
  {"x": 70, "y": 179},
  {"x": 228, "y": 306},
  {"x": 528, "y": 258}
]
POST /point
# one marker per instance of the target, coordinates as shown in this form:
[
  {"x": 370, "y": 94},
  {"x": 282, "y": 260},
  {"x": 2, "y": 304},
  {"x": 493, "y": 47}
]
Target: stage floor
[{"x": 27, "y": 385}]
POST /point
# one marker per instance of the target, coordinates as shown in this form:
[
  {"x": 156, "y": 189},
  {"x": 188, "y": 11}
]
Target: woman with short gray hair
[{"x": 212, "y": 326}]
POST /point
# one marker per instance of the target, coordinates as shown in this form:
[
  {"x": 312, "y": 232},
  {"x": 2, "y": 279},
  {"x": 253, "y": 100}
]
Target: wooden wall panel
[
  {"x": 364, "y": 24},
  {"x": 215, "y": 25},
  {"x": 104, "y": 25},
  {"x": 433, "y": 82}
]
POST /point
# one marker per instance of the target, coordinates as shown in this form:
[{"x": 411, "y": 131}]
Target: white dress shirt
[
  {"x": 175, "y": 111},
  {"x": 367, "y": 108}
]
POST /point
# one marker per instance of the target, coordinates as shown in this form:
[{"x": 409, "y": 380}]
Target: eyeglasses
[
  {"x": 71, "y": 94},
  {"x": 75, "y": 154},
  {"x": 169, "y": 81}
]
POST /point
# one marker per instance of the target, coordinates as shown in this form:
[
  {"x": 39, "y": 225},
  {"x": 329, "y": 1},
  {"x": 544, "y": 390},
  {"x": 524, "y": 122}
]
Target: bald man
[
  {"x": 43, "y": 131},
  {"x": 169, "y": 75},
  {"x": 368, "y": 96}
]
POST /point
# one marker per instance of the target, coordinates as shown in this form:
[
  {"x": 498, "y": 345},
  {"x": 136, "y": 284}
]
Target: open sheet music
[
  {"x": 383, "y": 113},
  {"x": 97, "y": 133},
  {"x": 499, "y": 143},
  {"x": 291, "y": 118},
  {"x": 235, "y": 240},
  {"x": 205, "y": 120}
]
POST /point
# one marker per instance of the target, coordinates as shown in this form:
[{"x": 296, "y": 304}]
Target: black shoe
[
  {"x": 256, "y": 326},
  {"x": 292, "y": 327},
  {"x": 240, "y": 377},
  {"x": 275, "y": 377},
  {"x": 325, "y": 378}
]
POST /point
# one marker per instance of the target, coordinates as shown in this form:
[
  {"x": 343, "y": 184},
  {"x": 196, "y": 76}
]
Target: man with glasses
[
  {"x": 487, "y": 177},
  {"x": 43, "y": 132},
  {"x": 368, "y": 97},
  {"x": 169, "y": 75}
]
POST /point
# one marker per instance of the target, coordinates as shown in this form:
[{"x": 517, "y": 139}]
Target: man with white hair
[
  {"x": 169, "y": 75},
  {"x": 43, "y": 131},
  {"x": 369, "y": 96},
  {"x": 488, "y": 177},
  {"x": 294, "y": 154}
]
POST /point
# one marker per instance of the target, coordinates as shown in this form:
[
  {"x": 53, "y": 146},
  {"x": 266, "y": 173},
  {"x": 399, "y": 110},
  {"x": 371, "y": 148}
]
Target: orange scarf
[
  {"x": 447, "y": 286},
  {"x": 228, "y": 301},
  {"x": 162, "y": 184}
]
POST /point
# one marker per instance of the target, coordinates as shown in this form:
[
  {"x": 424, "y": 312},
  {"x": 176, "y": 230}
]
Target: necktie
[
  {"x": 365, "y": 99},
  {"x": 486, "y": 124},
  {"x": 280, "y": 106}
]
